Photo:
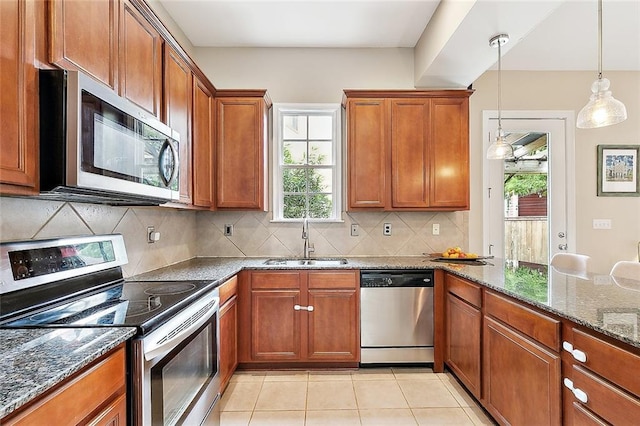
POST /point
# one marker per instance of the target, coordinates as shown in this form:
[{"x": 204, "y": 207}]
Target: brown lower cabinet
[
  {"x": 95, "y": 396},
  {"x": 600, "y": 378},
  {"x": 504, "y": 353},
  {"x": 521, "y": 377},
  {"x": 463, "y": 331},
  {"x": 299, "y": 316},
  {"x": 228, "y": 331}
]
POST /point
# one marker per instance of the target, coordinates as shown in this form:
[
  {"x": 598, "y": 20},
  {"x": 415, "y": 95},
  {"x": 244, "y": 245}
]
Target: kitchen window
[{"x": 306, "y": 162}]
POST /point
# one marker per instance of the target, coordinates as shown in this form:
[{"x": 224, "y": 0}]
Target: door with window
[{"x": 529, "y": 200}]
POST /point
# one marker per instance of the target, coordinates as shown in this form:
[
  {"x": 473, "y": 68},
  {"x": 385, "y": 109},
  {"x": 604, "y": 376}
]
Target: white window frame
[{"x": 335, "y": 110}]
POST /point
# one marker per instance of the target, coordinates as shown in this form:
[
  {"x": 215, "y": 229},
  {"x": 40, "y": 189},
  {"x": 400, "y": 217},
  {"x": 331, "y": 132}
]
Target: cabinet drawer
[
  {"x": 273, "y": 280},
  {"x": 542, "y": 328},
  {"x": 599, "y": 360},
  {"x": 228, "y": 289},
  {"x": 607, "y": 401},
  {"x": 584, "y": 417},
  {"x": 333, "y": 279},
  {"x": 470, "y": 293}
]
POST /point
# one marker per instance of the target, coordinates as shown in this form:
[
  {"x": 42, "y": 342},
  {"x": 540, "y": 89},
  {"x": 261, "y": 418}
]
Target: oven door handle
[{"x": 174, "y": 332}]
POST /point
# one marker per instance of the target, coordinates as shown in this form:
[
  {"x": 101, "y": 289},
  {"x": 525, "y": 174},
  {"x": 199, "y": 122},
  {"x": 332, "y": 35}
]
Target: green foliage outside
[
  {"x": 526, "y": 282},
  {"x": 295, "y": 181},
  {"x": 526, "y": 184}
]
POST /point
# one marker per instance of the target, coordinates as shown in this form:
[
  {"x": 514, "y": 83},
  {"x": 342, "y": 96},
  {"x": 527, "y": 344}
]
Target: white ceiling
[{"x": 545, "y": 34}]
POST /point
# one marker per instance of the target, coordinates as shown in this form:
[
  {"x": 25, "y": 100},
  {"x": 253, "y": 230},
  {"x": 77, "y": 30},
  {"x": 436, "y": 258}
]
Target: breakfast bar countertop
[{"x": 598, "y": 301}]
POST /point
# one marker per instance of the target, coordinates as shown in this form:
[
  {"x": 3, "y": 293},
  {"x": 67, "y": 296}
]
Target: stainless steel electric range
[{"x": 173, "y": 360}]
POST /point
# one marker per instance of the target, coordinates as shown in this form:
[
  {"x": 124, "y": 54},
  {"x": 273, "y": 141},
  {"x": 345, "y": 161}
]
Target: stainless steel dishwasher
[{"x": 396, "y": 316}]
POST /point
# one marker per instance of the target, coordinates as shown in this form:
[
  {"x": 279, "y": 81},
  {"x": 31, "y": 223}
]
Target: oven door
[{"x": 175, "y": 369}]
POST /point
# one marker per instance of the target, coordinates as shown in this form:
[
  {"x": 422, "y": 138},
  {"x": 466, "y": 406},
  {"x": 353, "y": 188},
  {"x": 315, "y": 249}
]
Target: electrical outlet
[
  {"x": 601, "y": 223},
  {"x": 152, "y": 235},
  {"x": 386, "y": 229},
  {"x": 355, "y": 230},
  {"x": 435, "y": 230},
  {"x": 228, "y": 230}
]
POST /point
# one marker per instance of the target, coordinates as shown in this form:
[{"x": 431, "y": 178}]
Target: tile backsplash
[
  {"x": 186, "y": 234},
  {"x": 24, "y": 219}
]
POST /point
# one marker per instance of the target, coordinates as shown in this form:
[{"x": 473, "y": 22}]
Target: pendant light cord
[
  {"x": 500, "y": 85},
  {"x": 599, "y": 39}
]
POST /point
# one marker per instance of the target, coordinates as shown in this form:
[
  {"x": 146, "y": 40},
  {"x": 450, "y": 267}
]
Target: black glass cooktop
[{"x": 142, "y": 304}]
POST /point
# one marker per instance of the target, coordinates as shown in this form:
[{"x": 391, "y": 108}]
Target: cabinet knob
[
  {"x": 578, "y": 355},
  {"x": 578, "y": 393}
]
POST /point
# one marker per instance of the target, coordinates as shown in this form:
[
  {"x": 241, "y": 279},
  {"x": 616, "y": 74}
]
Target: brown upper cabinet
[
  {"x": 122, "y": 49},
  {"x": 140, "y": 60},
  {"x": 18, "y": 109},
  {"x": 407, "y": 150},
  {"x": 203, "y": 144},
  {"x": 241, "y": 144},
  {"x": 177, "y": 114},
  {"x": 84, "y": 36}
]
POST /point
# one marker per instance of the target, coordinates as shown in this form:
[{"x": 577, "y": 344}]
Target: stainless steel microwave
[{"x": 96, "y": 146}]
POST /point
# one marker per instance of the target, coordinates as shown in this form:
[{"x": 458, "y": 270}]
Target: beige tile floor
[{"x": 380, "y": 396}]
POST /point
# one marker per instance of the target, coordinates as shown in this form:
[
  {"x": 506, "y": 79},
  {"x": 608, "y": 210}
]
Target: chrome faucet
[{"x": 308, "y": 247}]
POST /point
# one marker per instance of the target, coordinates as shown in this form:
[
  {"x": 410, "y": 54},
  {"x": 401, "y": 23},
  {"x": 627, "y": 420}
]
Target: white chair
[
  {"x": 626, "y": 269},
  {"x": 578, "y": 265}
]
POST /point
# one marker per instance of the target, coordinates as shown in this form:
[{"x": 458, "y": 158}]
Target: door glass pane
[{"x": 526, "y": 232}]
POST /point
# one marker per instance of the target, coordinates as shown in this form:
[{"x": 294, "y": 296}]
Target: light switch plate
[
  {"x": 228, "y": 230},
  {"x": 601, "y": 223},
  {"x": 355, "y": 230},
  {"x": 435, "y": 230}
]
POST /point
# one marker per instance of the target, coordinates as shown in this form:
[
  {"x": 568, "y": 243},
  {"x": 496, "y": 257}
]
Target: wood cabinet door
[
  {"x": 203, "y": 144},
  {"x": 462, "y": 350},
  {"x": 276, "y": 327},
  {"x": 410, "y": 156},
  {"x": 140, "y": 76},
  {"x": 177, "y": 114},
  {"x": 84, "y": 36},
  {"x": 333, "y": 325},
  {"x": 228, "y": 341},
  {"x": 18, "y": 83},
  {"x": 368, "y": 153},
  {"x": 521, "y": 378},
  {"x": 449, "y": 153},
  {"x": 240, "y": 162}
]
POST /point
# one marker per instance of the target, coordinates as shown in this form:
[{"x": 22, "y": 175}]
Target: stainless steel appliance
[
  {"x": 77, "y": 282},
  {"x": 98, "y": 147},
  {"x": 396, "y": 316}
]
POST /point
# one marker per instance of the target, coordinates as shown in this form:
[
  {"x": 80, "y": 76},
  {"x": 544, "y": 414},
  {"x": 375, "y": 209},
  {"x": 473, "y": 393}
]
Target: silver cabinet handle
[
  {"x": 578, "y": 393},
  {"x": 303, "y": 308},
  {"x": 578, "y": 355}
]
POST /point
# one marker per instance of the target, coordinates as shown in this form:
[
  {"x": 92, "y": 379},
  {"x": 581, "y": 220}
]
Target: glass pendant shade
[
  {"x": 603, "y": 109},
  {"x": 500, "y": 149}
]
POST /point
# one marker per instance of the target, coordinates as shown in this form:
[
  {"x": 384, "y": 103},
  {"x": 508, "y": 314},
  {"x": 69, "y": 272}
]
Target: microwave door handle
[{"x": 168, "y": 147}]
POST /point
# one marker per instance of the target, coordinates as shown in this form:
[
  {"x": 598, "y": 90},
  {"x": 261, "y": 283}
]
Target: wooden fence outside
[{"x": 526, "y": 239}]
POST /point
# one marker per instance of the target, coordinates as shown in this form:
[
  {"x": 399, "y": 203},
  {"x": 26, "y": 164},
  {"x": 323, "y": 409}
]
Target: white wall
[
  {"x": 307, "y": 75},
  {"x": 524, "y": 90}
]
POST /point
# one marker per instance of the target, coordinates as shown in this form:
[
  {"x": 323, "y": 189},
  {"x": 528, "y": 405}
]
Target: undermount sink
[{"x": 306, "y": 262}]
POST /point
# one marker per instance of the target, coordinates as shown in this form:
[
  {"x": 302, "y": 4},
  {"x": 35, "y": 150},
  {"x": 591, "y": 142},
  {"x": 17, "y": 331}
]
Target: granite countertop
[
  {"x": 34, "y": 360},
  {"x": 598, "y": 301}
]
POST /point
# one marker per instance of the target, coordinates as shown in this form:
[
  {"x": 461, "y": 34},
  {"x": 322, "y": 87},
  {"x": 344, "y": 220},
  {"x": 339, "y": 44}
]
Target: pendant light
[
  {"x": 500, "y": 149},
  {"x": 602, "y": 109}
]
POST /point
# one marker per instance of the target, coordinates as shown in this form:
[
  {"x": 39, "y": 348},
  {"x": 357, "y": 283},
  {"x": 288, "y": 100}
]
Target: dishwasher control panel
[{"x": 396, "y": 278}]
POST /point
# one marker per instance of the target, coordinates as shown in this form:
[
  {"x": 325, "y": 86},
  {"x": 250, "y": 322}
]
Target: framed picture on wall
[{"x": 618, "y": 171}]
